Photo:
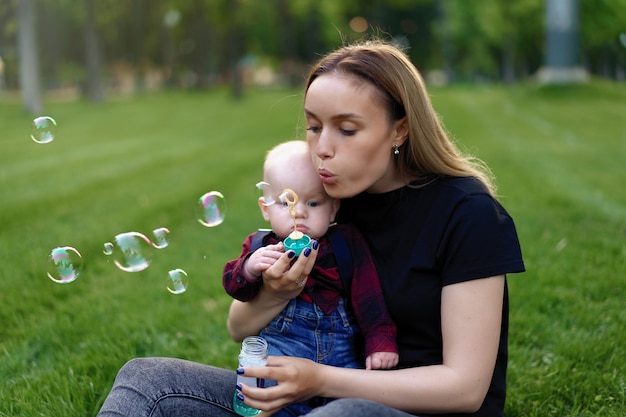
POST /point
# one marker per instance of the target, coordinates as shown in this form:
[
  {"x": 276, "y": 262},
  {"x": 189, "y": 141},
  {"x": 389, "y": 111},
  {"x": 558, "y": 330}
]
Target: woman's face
[{"x": 350, "y": 136}]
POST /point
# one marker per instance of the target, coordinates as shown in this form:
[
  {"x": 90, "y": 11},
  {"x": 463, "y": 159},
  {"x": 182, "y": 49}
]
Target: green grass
[{"x": 559, "y": 155}]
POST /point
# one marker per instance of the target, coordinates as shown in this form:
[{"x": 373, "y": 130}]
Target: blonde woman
[{"x": 441, "y": 242}]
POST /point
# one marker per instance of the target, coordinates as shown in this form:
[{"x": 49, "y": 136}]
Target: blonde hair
[
  {"x": 285, "y": 153},
  {"x": 428, "y": 151}
]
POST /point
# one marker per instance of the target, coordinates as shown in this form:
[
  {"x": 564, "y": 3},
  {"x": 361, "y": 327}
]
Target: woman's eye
[
  {"x": 347, "y": 132},
  {"x": 313, "y": 129}
]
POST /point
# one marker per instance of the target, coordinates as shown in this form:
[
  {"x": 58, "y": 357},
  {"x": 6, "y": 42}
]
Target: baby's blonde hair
[{"x": 285, "y": 153}]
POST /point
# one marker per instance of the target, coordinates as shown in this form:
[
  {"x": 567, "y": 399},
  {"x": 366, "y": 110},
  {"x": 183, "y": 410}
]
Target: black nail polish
[
  {"x": 291, "y": 254},
  {"x": 240, "y": 371},
  {"x": 240, "y": 396},
  {"x": 239, "y": 387},
  {"x": 307, "y": 251},
  {"x": 315, "y": 244}
]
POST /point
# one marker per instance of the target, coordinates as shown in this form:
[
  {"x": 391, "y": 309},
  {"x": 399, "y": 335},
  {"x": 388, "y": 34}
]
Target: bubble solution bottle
[{"x": 253, "y": 353}]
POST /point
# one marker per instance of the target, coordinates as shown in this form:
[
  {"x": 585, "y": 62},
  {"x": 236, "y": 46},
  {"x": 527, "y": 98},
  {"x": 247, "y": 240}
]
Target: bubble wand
[
  {"x": 296, "y": 240},
  {"x": 291, "y": 198}
]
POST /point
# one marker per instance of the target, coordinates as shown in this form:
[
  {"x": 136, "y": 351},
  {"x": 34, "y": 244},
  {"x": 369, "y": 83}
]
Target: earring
[{"x": 396, "y": 151}]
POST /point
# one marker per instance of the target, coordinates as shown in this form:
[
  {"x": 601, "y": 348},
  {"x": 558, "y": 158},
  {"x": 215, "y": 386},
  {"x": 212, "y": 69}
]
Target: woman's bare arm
[
  {"x": 471, "y": 319},
  {"x": 248, "y": 318}
]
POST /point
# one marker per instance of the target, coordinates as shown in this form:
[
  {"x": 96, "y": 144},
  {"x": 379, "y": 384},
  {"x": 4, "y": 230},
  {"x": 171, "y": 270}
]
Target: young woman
[{"x": 441, "y": 242}]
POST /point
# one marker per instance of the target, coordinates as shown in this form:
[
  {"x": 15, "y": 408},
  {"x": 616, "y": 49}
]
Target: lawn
[{"x": 138, "y": 164}]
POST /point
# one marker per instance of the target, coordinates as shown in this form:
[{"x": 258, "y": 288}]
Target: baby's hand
[
  {"x": 381, "y": 360},
  {"x": 262, "y": 259}
]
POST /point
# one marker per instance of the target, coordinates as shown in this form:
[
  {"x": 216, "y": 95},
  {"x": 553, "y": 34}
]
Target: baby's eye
[{"x": 313, "y": 204}]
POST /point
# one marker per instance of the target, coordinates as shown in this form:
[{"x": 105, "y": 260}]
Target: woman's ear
[
  {"x": 264, "y": 209},
  {"x": 401, "y": 131}
]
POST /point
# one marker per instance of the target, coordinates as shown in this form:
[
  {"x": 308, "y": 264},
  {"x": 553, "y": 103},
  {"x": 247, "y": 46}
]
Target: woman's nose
[{"x": 323, "y": 145}]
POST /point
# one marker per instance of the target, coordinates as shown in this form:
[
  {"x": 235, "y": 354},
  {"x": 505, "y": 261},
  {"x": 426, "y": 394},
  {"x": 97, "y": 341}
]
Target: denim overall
[{"x": 303, "y": 330}]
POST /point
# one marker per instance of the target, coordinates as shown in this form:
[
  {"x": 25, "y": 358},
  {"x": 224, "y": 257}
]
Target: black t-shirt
[{"x": 422, "y": 239}]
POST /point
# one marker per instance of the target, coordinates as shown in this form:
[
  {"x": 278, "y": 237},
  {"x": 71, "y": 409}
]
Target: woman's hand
[
  {"x": 298, "y": 380},
  {"x": 282, "y": 281},
  {"x": 285, "y": 279}
]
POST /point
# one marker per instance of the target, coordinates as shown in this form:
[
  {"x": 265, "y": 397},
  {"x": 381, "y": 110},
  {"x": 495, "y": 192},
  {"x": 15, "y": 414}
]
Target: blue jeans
[
  {"x": 303, "y": 330},
  {"x": 165, "y": 387}
]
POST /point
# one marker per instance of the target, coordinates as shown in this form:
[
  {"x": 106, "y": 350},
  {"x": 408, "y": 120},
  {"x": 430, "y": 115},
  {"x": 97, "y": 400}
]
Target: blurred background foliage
[{"x": 196, "y": 44}]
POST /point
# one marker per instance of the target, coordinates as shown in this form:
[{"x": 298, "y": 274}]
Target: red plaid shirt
[{"x": 324, "y": 287}]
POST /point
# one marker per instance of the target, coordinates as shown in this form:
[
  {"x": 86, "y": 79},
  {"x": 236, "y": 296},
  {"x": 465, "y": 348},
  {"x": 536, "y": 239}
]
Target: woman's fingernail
[
  {"x": 307, "y": 251},
  {"x": 291, "y": 254},
  {"x": 315, "y": 244},
  {"x": 239, "y": 387},
  {"x": 240, "y": 396},
  {"x": 240, "y": 371}
]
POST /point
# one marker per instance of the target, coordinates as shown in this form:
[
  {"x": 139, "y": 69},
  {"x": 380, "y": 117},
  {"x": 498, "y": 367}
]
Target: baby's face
[{"x": 314, "y": 211}]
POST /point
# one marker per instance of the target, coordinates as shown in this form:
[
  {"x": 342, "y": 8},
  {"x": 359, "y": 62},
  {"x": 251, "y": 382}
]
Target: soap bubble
[
  {"x": 132, "y": 251},
  {"x": 43, "y": 129},
  {"x": 108, "y": 248},
  {"x": 211, "y": 209},
  {"x": 65, "y": 264},
  {"x": 177, "y": 281},
  {"x": 160, "y": 237},
  {"x": 264, "y": 189}
]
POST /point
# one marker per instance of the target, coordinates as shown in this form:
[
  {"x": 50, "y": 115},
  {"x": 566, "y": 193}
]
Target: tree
[
  {"x": 487, "y": 39},
  {"x": 234, "y": 43},
  {"x": 30, "y": 83},
  {"x": 93, "y": 87},
  {"x": 444, "y": 41},
  {"x": 601, "y": 23}
]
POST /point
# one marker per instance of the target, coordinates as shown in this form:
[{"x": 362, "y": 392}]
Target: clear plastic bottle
[{"x": 253, "y": 353}]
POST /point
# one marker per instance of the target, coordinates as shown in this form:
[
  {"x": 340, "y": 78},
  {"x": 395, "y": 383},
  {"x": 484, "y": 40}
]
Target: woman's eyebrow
[{"x": 341, "y": 116}]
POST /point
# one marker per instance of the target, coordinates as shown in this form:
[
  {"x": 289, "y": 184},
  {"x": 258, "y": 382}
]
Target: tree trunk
[
  {"x": 234, "y": 43},
  {"x": 48, "y": 17},
  {"x": 619, "y": 65},
  {"x": 508, "y": 53},
  {"x": 313, "y": 42},
  {"x": 200, "y": 30},
  {"x": 288, "y": 43},
  {"x": 136, "y": 39},
  {"x": 446, "y": 45},
  {"x": 93, "y": 88},
  {"x": 30, "y": 84}
]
